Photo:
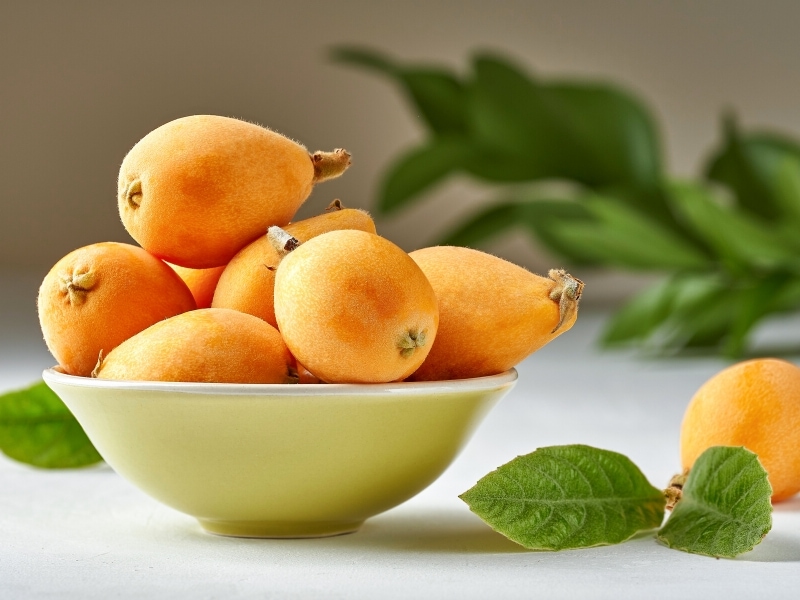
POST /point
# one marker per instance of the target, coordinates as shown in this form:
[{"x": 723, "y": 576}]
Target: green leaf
[
  {"x": 616, "y": 129},
  {"x": 438, "y": 95},
  {"x": 701, "y": 313},
  {"x": 622, "y": 236},
  {"x": 501, "y": 166},
  {"x": 440, "y": 98},
  {"x": 37, "y": 428},
  {"x": 749, "y": 165},
  {"x": 537, "y": 216},
  {"x": 741, "y": 239},
  {"x": 364, "y": 57},
  {"x": 641, "y": 315},
  {"x": 567, "y": 497},
  {"x": 787, "y": 191},
  {"x": 788, "y": 297},
  {"x": 591, "y": 133},
  {"x": 753, "y": 302},
  {"x": 419, "y": 169},
  {"x": 686, "y": 310},
  {"x": 725, "y": 509}
]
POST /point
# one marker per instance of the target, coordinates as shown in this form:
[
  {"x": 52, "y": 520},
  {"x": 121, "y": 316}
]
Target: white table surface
[{"x": 89, "y": 534}]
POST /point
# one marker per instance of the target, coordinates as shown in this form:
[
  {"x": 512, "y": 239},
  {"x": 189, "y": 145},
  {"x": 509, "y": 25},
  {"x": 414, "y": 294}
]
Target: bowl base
[{"x": 280, "y": 529}]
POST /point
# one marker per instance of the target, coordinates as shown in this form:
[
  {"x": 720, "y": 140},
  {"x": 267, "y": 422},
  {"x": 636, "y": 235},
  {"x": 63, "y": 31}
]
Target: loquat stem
[
  {"x": 674, "y": 491},
  {"x": 329, "y": 165},
  {"x": 96, "y": 371},
  {"x": 282, "y": 241},
  {"x": 567, "y": 292},
  {"x": 335, "y": 205}
]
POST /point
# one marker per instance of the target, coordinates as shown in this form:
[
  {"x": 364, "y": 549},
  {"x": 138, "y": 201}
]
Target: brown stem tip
[
  {"x": 282, "y": 241},
  {"x": 674, "y": 491},
  {"x": 329, "y": 165},
  {"x": 335, "y": 205},
  {"x": 96, "y": 371},
  {"x": 567, "y": 292}
]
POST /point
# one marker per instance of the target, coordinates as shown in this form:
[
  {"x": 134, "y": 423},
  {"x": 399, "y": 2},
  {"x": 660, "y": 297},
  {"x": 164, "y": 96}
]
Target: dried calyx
[
  {"x": 410, "y": 341},
  {"x": 674, "y": 491},
  {"x": 329, "y": 165},
  {"x": 567, "y": 292},
  {"x": 76, "y": 285},
  {"x": 133, "y": 193}
]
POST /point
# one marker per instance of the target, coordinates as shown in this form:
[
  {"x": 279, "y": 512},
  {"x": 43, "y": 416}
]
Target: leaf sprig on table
[
  {"x": 37, "y": 428},
  {"x": 727, "y": 244},
  {"x": 567, "y": 497}
]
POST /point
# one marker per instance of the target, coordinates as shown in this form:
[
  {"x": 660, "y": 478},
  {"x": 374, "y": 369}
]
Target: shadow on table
[
  {"x": 422, "y": 531},
  {"x": 435, "y": 531},
  {"x": 777, "y": 546}
]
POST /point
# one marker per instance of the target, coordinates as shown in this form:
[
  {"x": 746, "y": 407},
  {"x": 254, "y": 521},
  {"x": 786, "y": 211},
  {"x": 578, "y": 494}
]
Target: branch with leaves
[
  {"x": 727, "y": 244},
  {"x": 567, "y": 497}
]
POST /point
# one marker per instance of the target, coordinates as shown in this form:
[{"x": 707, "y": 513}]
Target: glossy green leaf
[
  {"x": 623, "y": 237},
  {"x": 421, "y": 168},
  {"x": 438, "y": 95},
  {"x": 38, "y": 429},
  {"x": 726, "y": 509},
  {"x": 739, "y": 238},
  {"x": 749, "y": 165},
  {"x": 537, "y": 216},
  {"x": 567, "y": 497}
]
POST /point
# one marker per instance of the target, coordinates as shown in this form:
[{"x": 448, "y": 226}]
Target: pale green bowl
[{"x": 260, "y": 460}]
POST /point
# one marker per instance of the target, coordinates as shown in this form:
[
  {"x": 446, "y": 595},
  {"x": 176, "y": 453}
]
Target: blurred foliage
[{"x": 728, "y": 244}]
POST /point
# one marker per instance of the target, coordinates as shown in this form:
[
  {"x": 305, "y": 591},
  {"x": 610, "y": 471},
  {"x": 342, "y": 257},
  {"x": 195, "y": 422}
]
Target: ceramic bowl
[{"x": 261, "y": 460}]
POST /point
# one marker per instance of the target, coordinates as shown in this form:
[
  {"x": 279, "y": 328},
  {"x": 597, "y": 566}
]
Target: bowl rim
[{"x": 487, "y": 382}]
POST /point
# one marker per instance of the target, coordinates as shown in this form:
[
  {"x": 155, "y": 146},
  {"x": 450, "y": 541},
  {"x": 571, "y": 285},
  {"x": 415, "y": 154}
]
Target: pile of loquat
[{"x": 224, "y": 287}]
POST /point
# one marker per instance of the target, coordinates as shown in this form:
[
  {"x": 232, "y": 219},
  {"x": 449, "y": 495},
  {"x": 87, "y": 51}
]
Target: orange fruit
[
  {"x": 213, "y": 345},
  {"x": 355, "y": 308},
  {"x": 248, "y": 282},
  {"x": 492, "y": 313},
  {"x": 201, "y": 282},
  {"x": 755, "y": 404},
  {"x": 196, "y": 190},
  {"x": 98, "y": 296}
]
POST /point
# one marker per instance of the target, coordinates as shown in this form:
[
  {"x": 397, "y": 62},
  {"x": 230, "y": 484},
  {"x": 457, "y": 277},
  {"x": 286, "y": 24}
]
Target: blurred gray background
[{"x": 82, "y": 81}]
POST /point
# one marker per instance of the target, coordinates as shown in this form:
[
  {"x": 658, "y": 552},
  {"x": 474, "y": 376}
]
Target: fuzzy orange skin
[
  {"x": 209, "y": 186},
  {"x": 201, "y": 282},
  {"x": 344, "y": 300},
  {"x": 212, "y": 345},
  {"x": 492, "y": 313},
  {"x": 132, "y": 290},
  {"x": 755, "y": 404},
  {"x": 248, "y": 282}
]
